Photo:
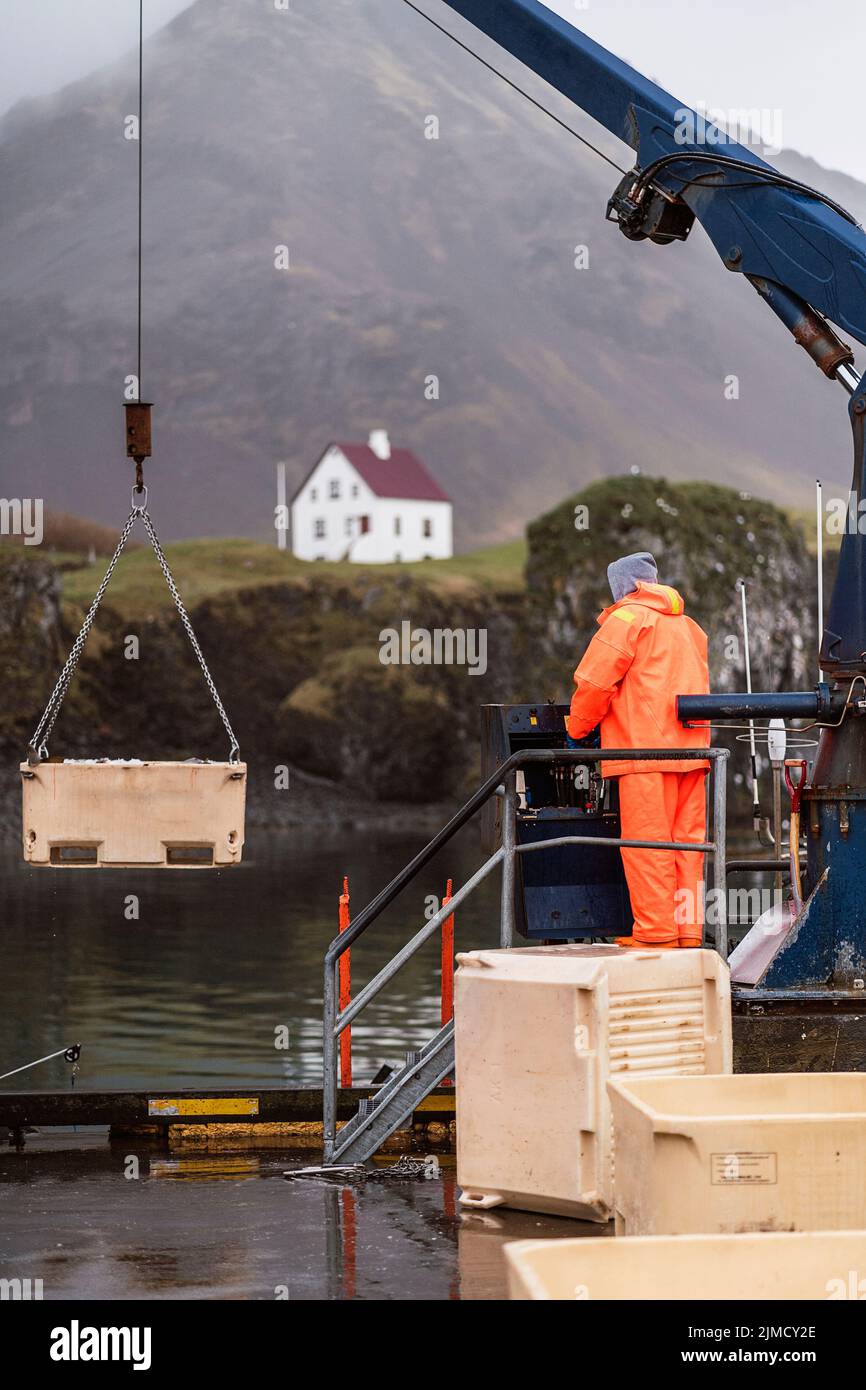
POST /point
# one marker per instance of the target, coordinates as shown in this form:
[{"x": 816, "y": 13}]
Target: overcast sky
[
  {"x": 795, "y": 57},
  {"x": 798, "y": 61},
  {"x": 46, "y": 43}
]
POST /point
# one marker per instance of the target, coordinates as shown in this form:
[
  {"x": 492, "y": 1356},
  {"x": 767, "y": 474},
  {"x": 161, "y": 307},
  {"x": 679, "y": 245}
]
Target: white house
[{"x": 371, "y": 504}]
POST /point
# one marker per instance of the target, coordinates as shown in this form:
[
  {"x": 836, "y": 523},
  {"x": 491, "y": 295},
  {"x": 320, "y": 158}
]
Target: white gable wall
[{"x": 315, "y": 509}]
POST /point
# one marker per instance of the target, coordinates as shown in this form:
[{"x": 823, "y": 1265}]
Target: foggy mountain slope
[{"x": 409, "y": 257}]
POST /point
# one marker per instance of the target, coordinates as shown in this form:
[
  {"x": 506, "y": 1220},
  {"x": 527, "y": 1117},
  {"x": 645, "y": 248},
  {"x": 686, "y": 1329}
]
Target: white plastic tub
[
  {"x": 814, "y": 1265},
  {"x": 538, "y": 1030},
  {"x": 733, "y": 1154}
]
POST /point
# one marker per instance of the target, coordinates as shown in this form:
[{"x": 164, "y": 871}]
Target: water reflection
[
  {"x": 208, "y": 1168},
  {"x": 229, "y": 1226},
  {"x": 192, "y": 992},
  {"x": 198, "y": 989}
]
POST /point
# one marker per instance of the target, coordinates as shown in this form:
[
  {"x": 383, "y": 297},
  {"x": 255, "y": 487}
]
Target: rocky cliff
[{"x": 705, "y": 538}]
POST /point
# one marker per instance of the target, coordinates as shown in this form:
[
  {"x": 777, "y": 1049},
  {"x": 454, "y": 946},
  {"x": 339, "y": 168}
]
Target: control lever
[{"x": 796, "y": 792}]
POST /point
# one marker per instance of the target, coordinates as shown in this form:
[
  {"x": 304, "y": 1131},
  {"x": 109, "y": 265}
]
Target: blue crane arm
[
  {"x": 805, "y": 256},
  {"x": 783, "y": 239}
]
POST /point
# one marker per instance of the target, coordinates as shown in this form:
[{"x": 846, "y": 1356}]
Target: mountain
[{"x": 409, "y": 257}]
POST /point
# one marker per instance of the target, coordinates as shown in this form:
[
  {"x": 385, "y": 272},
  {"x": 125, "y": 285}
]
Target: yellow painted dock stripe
[
  {"x": 227, "y": 1105},
  {"x": 440, "y": 1103}
]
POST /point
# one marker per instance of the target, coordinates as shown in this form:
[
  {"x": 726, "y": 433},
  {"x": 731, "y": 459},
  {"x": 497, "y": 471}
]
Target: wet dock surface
[{"x": 98, "y": 1220}]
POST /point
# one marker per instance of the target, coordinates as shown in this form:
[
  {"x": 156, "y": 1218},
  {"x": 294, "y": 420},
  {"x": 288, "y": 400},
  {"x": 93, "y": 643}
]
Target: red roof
[{"x": 402, "y": 475}]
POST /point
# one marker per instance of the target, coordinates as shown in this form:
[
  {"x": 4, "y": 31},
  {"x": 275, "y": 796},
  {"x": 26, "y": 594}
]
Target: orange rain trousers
[{"x": 665, "y": 886}]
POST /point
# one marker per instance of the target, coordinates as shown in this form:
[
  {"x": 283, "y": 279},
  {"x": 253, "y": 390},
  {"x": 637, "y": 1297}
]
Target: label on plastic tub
[{"x": 747, "y": 1168}]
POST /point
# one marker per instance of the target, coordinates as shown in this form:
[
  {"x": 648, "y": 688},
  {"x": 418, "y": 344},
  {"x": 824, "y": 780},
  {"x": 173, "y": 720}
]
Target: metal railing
[
  {"x": 502, "y": 782},
  {"x": 754, "y": 866}
]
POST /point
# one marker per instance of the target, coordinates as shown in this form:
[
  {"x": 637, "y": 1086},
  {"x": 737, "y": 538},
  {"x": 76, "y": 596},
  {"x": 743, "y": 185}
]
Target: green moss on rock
[{"x": 705, "y": 538}]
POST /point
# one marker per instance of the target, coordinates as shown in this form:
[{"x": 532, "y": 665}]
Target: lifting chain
[{"x": 38, "y": 746}]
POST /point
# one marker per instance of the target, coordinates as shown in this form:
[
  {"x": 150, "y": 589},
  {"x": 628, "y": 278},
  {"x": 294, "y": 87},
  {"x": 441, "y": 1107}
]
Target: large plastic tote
[
  {"x": 813, "y": 1265},
  {"x": 779, "y": 1152},
  {"x": 539, "y": 1030},
  {"x": 132, "y": 814}
]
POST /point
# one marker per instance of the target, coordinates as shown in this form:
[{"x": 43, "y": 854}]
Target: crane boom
[{"x": 763, "y": 225}]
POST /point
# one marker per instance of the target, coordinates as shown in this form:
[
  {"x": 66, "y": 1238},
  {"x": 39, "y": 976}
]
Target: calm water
[{"x": 191, "y": 993}]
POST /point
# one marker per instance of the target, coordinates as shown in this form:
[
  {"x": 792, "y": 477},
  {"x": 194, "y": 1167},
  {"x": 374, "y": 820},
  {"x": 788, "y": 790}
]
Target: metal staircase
[{"x": 392, "y": 1105}]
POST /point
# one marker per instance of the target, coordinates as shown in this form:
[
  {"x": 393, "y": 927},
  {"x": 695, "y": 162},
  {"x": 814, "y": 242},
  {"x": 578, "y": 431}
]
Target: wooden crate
[{"x": 157, "y": 815}]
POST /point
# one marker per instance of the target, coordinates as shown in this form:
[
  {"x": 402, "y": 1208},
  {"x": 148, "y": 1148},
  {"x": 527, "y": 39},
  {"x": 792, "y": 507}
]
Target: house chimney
[{"x": 380, "y": 443}]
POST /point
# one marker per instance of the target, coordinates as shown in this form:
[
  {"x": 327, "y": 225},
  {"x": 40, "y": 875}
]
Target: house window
[
  {"x": 314, "y": 494},
  {"x": 396, "y": 525},
  {"x": 319, "y": 529},
  {"x": 348, "y": 526},
  {"x": 427, "y": 527},
  {"x": 334, "y": 487},
  {"x": 355, "y": 489}
]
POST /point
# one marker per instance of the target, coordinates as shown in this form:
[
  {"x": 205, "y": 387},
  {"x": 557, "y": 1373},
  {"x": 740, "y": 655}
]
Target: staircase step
[{"x": 380, "y": 1115}]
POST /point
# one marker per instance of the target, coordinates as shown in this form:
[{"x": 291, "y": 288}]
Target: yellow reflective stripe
[
  {"x": 670, "y": 594},
  {"x": 625, "y": 614}
]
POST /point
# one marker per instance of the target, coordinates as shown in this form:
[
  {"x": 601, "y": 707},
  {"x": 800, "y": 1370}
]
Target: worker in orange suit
[{"x": 646, "y": 653}]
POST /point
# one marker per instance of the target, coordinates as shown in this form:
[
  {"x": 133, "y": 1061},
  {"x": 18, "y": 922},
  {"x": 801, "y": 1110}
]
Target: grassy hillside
[
  {"x": 294, "y": 648},
  {"x": 208, "y": 568}
]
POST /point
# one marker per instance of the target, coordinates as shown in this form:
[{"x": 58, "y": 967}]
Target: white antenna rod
[
  {"x": 819, "y": 519},
  {"x": 756, "y": 804},
  {"x": 746, "y": 636},
  {"x": 281, "y": 506}
]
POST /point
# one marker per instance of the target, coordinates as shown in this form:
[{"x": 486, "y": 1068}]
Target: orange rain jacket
[{"x": 645, "y": 654}]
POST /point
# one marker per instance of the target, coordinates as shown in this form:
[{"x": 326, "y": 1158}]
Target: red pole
[
  {"x": 345, "y": 992},
  {"x": 447, "y": 962},
  {"x": 350, "y": 1241}
]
